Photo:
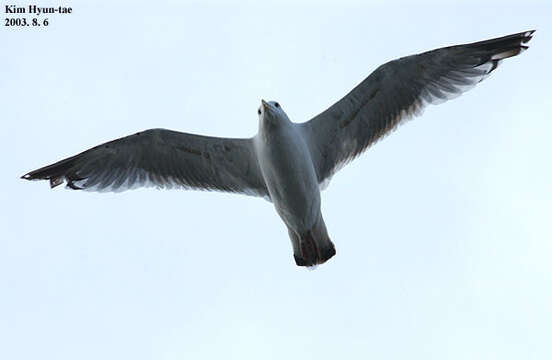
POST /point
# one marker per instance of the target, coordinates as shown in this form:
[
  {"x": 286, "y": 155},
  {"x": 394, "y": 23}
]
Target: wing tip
[
  {"x": 529, "y": 34},
  {"x": 53, "y": 180},
  {"x": 526, "y": 37}
]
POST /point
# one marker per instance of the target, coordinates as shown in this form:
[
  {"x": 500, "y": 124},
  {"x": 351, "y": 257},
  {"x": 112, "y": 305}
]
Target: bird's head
[{"x": 271, "y": 114}]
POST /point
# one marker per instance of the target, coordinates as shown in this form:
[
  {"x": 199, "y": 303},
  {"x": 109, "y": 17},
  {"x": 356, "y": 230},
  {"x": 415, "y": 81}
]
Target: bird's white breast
[{"x": 290, "y": 176}]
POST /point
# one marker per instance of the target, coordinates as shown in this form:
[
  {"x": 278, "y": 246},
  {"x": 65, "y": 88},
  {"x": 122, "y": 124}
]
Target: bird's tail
[{"x": 312, "y": 247}]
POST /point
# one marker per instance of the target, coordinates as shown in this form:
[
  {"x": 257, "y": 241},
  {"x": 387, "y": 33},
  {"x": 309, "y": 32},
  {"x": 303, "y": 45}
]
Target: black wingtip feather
[
  {"x": 56, "y": 173},
  {"x": 495, "y": 50},
  {"x": 505, "y": 43},
  {"x": 520, "y": 38}
]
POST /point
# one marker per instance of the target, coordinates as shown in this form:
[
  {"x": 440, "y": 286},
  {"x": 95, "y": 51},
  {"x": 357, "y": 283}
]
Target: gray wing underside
[
  {"x": 164, "y": 159},
  {"x": 397, "y": 91}
]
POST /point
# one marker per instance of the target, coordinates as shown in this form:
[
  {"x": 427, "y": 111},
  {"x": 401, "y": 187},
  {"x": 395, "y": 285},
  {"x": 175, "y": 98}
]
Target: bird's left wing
[
  {"x": 396, "y": 91},
  {"x": 161, "y": 158}
]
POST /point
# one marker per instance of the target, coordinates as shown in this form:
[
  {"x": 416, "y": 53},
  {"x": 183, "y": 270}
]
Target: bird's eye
[
  {"x": 259, "y": 111},
  {"x": 276, "y": 104}
]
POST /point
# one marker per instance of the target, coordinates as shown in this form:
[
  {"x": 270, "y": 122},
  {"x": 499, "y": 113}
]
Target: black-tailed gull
[{"x": 288, "y": 163}]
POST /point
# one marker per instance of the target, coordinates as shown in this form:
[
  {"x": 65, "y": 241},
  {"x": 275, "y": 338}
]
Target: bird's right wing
[
  {"x": 396, "y": 91},
  {"x": 161, "y": 158}
]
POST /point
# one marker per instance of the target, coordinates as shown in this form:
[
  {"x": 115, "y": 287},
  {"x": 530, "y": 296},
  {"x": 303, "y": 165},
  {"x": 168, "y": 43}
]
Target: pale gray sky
[{"x": 442, "y": 230}]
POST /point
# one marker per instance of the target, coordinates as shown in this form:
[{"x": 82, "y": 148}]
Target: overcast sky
[{"x": 442, "y": 229}]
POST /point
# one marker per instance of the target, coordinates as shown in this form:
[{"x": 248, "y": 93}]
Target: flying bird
[{"x": 288, "y": 163}]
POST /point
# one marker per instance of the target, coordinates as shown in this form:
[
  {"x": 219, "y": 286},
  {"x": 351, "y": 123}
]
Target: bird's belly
[{"x": 292, "y": 183}]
